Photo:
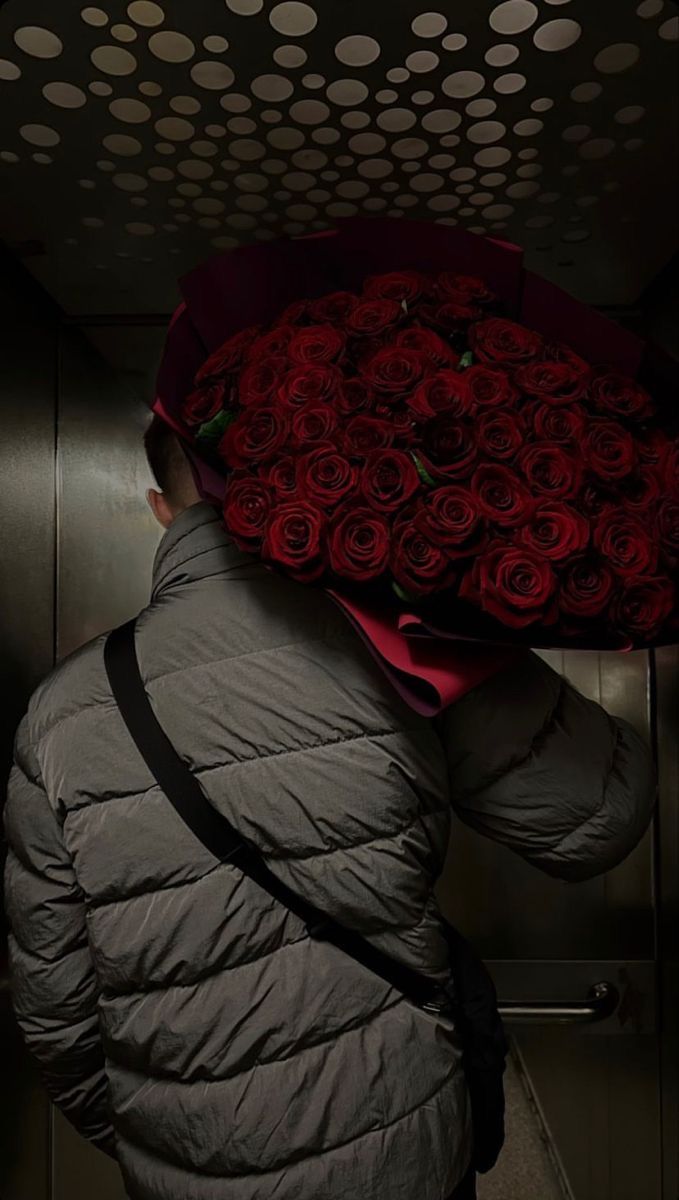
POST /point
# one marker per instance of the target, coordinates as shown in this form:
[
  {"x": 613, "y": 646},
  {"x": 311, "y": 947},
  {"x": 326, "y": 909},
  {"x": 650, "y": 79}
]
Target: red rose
[
  {"x": 304, "y": 384},
  {"x": 451, "y": 446},
  {"x": 465, "y": 288},
  {"x": 334, "y": 308},
  {"x": 653, "y": 446},
  {"x": 623, "y": 542},
  {"x": 429, "y": 344},
  {"x": 452, "y": 317},
  {"x": 325, "y": 477},
  {"x": 609, "y": 450},
  {"x": 559, "y": 352},
  {"x": 644, "y": 605},
  {"x": 418, "y": 564},
  {"x": 229, "y": 356},
  {"x": 668, "y": 530},
  {"x": 313, "y": 423},
  {"x": 359, "y": 544},
  {"x": 316, "y": 344},
  {"x": 513, "y": 584},
  {"x": 281, "y": 475},
  {"x": 256, "y": 435},
  {"x": 404, "y": 429},
  {"x": 501, "y": 433},
  {"x": 446, "y": 391},
  {"x": 294, "y": 314},
  {"x": 642, "y": 490},
  {"x": 490, "y": 388},
  {"x": 502, "y": 342},
  {"x": 561, "y": 425},
  {"x": 550, "y": 471},
  {"x": 597, "y": 501},
  {"x": 501, "y": 496},
  {"x": 394, "y": 370},
  {"x": 259, "y": 380},
  {"x": 247, "y": 504},
  {"x": 397, "y": 285},
  {"x": 556, "y": 531},
  {"x": 389, "y": 478},
  {"x": 616, "y": 395},
  {"x": 450, "y": 517},
  {"x": 204, "y": 404},
  {"x": 364, "y": 433},
  {"x": 354, "y": 396},
  {"x": 587, "y": 586},
  {"x": 551, "y": 382},
  {"x": 294, "y": 540},
  {"x": 271, "y": 344},
  {"x": 369, "y": 318}
]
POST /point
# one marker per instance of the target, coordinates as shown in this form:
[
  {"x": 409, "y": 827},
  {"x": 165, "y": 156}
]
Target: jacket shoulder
[{"x": 77, "y": 681}]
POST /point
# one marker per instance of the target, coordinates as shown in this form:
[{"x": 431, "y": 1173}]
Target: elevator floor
[{"x": 525, "y": 1170}]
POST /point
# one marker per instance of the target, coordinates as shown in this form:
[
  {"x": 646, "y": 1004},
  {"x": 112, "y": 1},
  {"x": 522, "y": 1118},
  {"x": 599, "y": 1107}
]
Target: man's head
[{"x": 171, "y": 472}]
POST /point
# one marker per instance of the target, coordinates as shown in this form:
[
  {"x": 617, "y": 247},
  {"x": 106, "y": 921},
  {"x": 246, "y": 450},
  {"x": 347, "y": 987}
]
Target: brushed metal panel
[
  {"x": 28, "y": 356},
  {"x": 106, "y": 539},
  {"x": 667, "y": 700},
  {"x": 106, "y": 534}
]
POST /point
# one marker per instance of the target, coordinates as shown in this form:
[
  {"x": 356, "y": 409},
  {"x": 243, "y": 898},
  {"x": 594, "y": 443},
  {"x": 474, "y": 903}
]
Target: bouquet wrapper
[{"x": 429, "y": 665}]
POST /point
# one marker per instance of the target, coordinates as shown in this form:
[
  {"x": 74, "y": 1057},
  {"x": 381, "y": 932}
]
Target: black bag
[{"x": 469, "y": 997}]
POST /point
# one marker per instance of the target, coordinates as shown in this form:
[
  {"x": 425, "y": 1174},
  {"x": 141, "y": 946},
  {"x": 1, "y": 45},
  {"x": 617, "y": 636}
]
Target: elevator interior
[{"x": 137, "y": 138}]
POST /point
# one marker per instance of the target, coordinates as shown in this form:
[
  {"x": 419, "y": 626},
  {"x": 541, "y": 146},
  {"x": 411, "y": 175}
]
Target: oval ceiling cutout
[
  {"x": 171, "y": 47},
  {"x": 514, "y": 16},
  {"x": 38, "y": 42},
  {"x": 64, "y": 95},
  {"x": 94, "y": 16},
  {"x": 144, "y": 12},
  {"x": 291, "y": 19},
  {"x": 113, "y": 60},
  {"x": 357, "y": 51}
]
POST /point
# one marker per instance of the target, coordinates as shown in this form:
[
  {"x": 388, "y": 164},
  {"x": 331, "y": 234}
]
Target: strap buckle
[
  {"x": 442, "y": 1006},
  {"x": 435, "y": 1007}
]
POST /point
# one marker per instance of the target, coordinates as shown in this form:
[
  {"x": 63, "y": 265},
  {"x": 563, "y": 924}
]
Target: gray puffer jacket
[{"x": 183, "y": 1019}]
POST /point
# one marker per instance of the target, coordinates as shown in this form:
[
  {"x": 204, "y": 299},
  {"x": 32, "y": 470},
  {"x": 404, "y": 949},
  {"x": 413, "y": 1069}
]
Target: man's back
[{"x": 243, "y": 1058}]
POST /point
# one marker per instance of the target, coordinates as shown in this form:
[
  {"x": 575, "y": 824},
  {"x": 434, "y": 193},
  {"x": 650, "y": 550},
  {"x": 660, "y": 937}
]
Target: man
[{"x": 186, "y": 1022}]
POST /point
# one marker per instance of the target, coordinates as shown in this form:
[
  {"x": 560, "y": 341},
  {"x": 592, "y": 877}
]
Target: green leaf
[
  {"x": 401, "y": 593},
  {"x": 212, "y": 430},
  {"x": 466, "y": 360},
  {"x": 422, "y": 471}
]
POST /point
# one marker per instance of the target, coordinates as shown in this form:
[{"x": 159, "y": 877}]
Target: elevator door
[{"x": 596, "y": 1090}]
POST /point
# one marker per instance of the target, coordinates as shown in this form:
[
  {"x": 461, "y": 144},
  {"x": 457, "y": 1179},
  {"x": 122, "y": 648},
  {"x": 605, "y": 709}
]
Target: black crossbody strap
[{"x": 219, "y": 836}]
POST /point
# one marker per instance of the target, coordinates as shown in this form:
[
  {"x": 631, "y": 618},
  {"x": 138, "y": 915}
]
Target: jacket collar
[{"x": 194, "y": 546}]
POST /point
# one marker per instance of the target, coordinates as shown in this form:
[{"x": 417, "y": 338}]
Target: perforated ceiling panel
[{"x": 135, "y": 138}]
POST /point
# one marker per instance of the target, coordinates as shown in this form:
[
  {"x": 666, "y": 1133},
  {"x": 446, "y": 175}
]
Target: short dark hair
[{"x": 167, "y": 460}]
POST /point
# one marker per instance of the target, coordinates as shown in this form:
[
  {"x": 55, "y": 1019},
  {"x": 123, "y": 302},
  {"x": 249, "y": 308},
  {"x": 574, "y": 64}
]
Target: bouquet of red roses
[{"x": 410, "y": 439}]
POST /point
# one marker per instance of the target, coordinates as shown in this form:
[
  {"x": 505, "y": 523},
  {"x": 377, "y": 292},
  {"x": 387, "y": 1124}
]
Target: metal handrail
[{"x": 601, "y": 1002}]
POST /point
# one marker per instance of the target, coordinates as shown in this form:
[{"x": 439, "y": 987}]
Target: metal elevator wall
[{"x": 77, "y": 543}]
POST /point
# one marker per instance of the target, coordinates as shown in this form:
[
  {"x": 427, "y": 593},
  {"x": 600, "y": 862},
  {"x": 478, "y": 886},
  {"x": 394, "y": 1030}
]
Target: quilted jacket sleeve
[
  {"x": 536, "y": 766},
  {"x": 54, "y": 990}
]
